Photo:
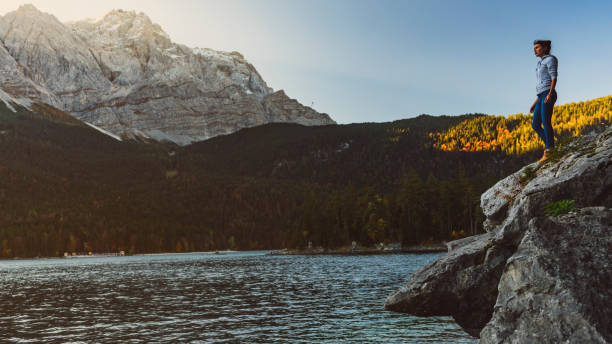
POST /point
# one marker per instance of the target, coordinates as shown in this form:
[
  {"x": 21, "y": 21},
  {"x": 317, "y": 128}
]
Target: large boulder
[
  {"x": 556, "y": 286},
  {"x": 456, "y": 284},
  {"x": 465, "y": 283}
]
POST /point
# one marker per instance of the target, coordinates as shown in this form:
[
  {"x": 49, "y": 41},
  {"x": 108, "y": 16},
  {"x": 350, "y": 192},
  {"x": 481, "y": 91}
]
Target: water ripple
[{"x": 203, "y": 298}]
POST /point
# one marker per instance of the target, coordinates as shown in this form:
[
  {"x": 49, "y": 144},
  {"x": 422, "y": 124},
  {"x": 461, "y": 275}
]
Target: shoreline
[
  {"x": 360, "y": 251},
  {"x": 102, "y": 255},
  {"x": 271, "y": 252},
  {"x": 194, "y": 252}
]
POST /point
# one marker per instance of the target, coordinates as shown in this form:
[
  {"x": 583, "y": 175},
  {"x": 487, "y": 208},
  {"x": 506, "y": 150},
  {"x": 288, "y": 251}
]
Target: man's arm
[
  {"x": 553, "y": 83},
  {"x": 552, "y": 71}
]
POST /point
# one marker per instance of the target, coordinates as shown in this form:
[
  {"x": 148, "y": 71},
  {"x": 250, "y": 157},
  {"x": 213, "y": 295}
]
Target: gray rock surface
[
  {"x": 456, "y": 284},
  {"x": 465, "y": 283},
  {"x": 122, "y": 73},
  {"x": 556, "y": 286}
]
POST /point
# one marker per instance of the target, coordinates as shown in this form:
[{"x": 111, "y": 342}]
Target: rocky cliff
[
  {"x": 123, "y": 73},
  {"x": 532, "y": 278}
]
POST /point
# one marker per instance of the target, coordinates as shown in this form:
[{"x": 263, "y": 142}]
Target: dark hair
[{"x": 543, "y": 43}]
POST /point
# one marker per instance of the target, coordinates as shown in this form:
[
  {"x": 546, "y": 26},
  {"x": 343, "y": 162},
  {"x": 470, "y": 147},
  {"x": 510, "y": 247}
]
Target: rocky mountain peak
[
  {"x": 123, "y": 73},
  {"x": 120, "y": 24},
  {"x": 123, "y": 15},
  {"x": 123, "y": 30},
  {"x": 38, "y": 53},
  {"x": 29, "y": 9},
  {"x": 31, "y": 18}
]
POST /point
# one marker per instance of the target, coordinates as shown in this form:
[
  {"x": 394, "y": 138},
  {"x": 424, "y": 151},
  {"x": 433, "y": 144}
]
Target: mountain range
[{"x": 123, "y": 74}]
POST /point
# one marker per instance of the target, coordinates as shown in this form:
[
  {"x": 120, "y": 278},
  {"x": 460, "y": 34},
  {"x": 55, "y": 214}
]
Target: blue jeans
[{"x": 542, "y": 115}]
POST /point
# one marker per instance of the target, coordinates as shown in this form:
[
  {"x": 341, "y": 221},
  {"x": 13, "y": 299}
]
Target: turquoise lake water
[{"x": 244, "y": 297}]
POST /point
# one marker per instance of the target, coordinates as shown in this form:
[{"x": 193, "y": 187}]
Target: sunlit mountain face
[{"x": 122, "y": 73}]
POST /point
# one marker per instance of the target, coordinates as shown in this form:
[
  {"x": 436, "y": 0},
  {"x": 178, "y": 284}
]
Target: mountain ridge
[{"x": 123, "y": 74}]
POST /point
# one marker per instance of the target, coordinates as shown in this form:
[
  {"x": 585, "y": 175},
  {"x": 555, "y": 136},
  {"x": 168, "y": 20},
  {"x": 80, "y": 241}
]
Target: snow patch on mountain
[
  {"x": 9, "y": 101},
  {"x": 104, "y": 131}
]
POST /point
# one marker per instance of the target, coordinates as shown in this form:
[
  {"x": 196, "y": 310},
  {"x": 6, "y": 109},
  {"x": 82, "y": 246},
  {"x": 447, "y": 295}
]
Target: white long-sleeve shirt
[{"x": 546, "y": 70}]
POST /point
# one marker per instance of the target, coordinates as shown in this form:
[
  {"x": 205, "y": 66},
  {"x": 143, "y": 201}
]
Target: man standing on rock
[{"x": 542, "y": 108}]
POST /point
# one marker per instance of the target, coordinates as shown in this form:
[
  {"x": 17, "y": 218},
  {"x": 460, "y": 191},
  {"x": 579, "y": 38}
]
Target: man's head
[{"x": 541, "y": 47}]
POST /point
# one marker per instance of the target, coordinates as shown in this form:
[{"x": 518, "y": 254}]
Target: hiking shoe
[{"x": 544, "y": 157}]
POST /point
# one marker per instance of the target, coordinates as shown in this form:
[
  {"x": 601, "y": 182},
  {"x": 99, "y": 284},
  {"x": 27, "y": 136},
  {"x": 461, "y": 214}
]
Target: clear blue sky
[{"x": 381, "y": 60}]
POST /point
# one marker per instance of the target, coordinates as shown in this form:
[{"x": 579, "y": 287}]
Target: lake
[{"x": 242, "y": 297}]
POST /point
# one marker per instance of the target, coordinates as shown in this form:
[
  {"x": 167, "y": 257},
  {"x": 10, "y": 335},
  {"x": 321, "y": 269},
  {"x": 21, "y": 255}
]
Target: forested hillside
[
  {"x": 514, "y": 135},
  {"x": 66, "y": 187}
]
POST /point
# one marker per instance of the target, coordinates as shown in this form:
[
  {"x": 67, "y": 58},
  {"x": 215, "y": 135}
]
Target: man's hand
[
  {"x": 547, "y": 100},
  {"x": 532, "y": 108}
]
